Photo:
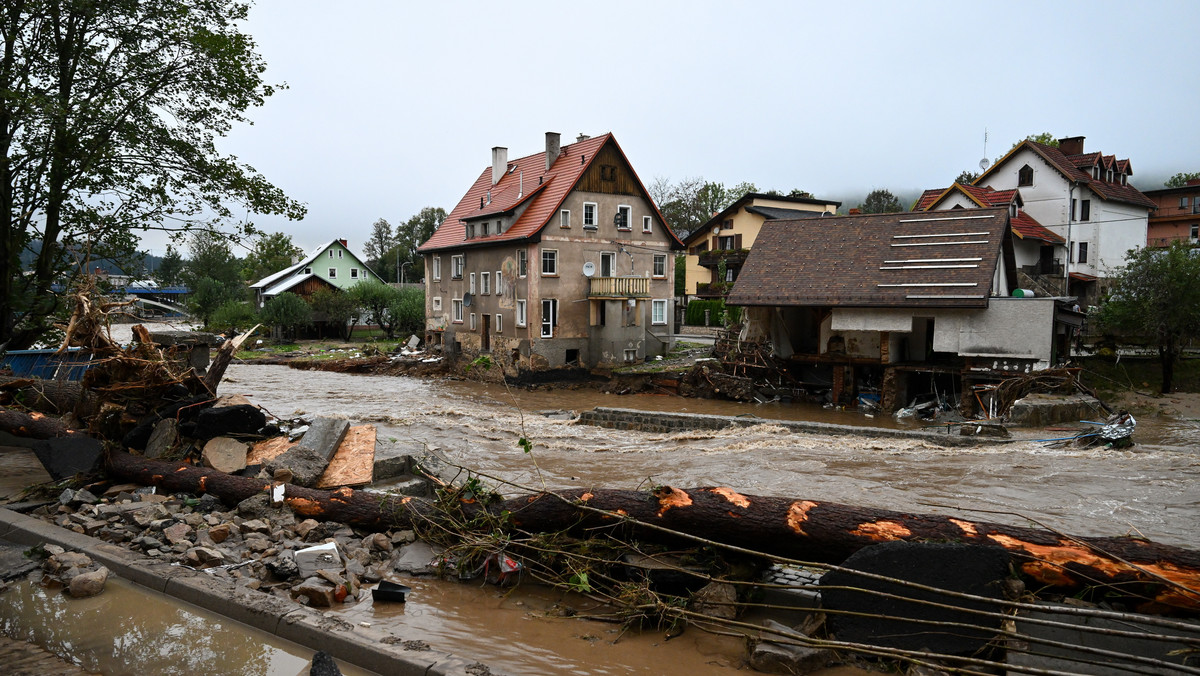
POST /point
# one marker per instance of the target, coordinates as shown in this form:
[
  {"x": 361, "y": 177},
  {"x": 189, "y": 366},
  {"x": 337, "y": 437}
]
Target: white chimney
[
  {"x": 553, "y": 146},
  {"x": 499, "y": 163}
]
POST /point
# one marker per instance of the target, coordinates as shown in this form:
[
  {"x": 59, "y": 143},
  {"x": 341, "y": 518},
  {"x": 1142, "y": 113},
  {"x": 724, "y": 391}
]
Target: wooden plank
[
  {"x": 267, "y": 450},
  {"x": 354, "y": 462}
]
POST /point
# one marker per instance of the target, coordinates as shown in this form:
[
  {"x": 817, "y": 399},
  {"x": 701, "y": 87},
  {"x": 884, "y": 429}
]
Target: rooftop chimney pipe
[
  {"x": 499, "y": 163},
  {"x": 553, "y": 146},
  {"x": 1071, "y": 145}
]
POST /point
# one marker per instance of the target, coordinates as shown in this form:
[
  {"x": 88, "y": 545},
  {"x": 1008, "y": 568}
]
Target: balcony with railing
[
  {"x": 1162, "y": 242},
  {"x": 734, "y": 258},
  {"x": 619, "y": 287}
]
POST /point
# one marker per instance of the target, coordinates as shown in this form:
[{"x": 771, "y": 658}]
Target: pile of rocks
[
  {"x": 78, "y": 574},
  {"x": 255, "y": 545}
]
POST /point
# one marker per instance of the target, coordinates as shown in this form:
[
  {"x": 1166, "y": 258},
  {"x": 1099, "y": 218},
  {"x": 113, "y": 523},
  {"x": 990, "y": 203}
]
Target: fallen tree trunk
[
  {"x": 32, "y": 425},
  {"x": 797, "y": 529}
]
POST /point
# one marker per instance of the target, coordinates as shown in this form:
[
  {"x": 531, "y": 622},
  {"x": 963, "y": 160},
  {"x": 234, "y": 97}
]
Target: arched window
[{"x": 1025, "y": 176}]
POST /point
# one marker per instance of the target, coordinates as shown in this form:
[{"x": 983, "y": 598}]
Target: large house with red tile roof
[
  {"x": 893, "y": 306},
  {"x": 552, "y": 260},
  {"x": 1039, "y": 251},
  {"x": 1085, "y": 198}
]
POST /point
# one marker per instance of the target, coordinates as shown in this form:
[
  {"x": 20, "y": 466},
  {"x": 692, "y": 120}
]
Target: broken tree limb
[
  {"x": 32, "y": 425},
  {"x": 787, "y": 527},
  {"x": 216, "y": 370}
]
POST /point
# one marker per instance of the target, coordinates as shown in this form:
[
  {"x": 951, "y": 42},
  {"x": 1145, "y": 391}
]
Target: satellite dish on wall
[
  {"x": 632, "y": 302},
  {"x": 467, "y": 298},
  {"x": 589, "y": 269}
]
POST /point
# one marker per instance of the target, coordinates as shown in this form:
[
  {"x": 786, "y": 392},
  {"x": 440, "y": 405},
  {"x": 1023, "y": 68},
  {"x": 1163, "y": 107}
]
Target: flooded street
[{"x": 1149, "y": 489}]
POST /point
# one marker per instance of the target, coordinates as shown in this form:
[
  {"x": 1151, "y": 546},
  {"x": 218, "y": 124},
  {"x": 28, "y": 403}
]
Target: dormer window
[
  {"x": 1110, "y": 176},
  {"x": 1096, "y": 172},
  {"x": 1012, "y": 210},
  {"x": 1025, "y": 176}
]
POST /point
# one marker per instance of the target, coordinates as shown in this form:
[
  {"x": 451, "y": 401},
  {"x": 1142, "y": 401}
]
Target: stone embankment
[{"x": 665, "y": 423}]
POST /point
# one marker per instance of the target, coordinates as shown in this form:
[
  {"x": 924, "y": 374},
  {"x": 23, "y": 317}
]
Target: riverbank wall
[{"x": 665, "y": 423}]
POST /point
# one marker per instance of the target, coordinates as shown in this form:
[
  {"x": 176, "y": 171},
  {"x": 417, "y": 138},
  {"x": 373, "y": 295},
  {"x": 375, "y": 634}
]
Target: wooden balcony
[
  {"x": 619, "y": 287},
  {"x": 734, "y": 258}
]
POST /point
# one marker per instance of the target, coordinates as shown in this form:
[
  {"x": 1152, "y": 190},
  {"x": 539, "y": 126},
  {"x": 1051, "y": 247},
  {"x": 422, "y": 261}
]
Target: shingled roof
[
  {"x": 527, "y": 183},
  {"x": 1023, "y": 225},
  {"x": 909, "y": 259},
  {"x": 1071, "y": 167}
]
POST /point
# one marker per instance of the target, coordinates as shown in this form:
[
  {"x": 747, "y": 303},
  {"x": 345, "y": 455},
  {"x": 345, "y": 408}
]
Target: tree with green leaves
[
  {"x": 967, "y": 177},
  {"x": 234, "y": 316},
  {"x": 1180, "y": 180},
  {"x": 1155, "y": 295},
  {"x": 212, "y": 274},
  {"x": 691, "y": 202},
  {"x": 170, "y": 268},
  {"x": 286, "y": 312},
  {"x": 407, "y": 310},
  {"x": 109, "y": 121},
  {"x": 336, "y": 308},
  {"x": 378, "y": 243},
  {"x": 270, "y": 253},
  {"x": 375, "y": 298},
  {"x": 880, "y": 201},
  {"x": 411, "y": 235},
  {"x": 1045, "y": 138}
]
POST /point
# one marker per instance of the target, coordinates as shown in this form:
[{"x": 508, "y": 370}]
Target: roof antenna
[{"x": 985, "y": 162}]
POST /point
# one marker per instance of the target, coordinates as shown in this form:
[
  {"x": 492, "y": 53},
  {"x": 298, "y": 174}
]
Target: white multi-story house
[{"x": 1084, "y": 198}]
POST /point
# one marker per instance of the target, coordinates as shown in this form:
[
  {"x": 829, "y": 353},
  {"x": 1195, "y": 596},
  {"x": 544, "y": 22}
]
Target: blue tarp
[{"x": 46, "y": 364}]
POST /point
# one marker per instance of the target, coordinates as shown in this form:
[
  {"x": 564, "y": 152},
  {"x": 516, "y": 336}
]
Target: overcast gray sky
[{"x": 394, "y": 106}]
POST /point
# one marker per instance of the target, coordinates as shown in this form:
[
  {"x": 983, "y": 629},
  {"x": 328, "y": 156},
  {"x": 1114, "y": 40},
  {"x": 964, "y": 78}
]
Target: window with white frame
[
  {"x": 564, "y": 218},
  {"x": 473, "y": 321},
  {"x": 499, "y": 322},
  {"x": 549, "y": 316},
  {"x": 647, "y": 223},
  {"x": 499, "y": 284},
  {"x": 658, "y": 311},
  {"x": 457, "y": 265},
  {"x": 437, "y": 268},
  {"x": 437, "y": 303},
  {"x": 472, "y": 282},
  {"x": 522, "y": 312},
  {"x": 485, "y": 283},
  {"x": 660, "y": 265},
  {"x": 308, "y": 271},
  {"x": 457, "y": 307},
  {"x": 353, "y": 273},
  {"x": 333, "y": 273},
  {"x": 549, "y": 262},
  {"x": 624, "y": 217},
  {"x": 339, "y": 253},
  {"x": 331, "y": 253},
  {"x": 522, "y": 263},
  {"x": 589, "y": 215}
]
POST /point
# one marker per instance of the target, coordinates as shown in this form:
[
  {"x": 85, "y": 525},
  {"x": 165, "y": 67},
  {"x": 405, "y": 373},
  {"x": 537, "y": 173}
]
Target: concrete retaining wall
[
  {"x": 363, "y": 647},
  {"x": 652, "y": 421},
  {"x": 1039, "y": 410}
]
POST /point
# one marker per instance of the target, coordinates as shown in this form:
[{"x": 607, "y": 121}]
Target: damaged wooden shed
[{"x": 894, "y": 306}]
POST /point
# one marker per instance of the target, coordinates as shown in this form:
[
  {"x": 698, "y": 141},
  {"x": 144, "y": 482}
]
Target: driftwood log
[
  {"x": 32, "y": 425},
  {"x": 799, "y": 529}
]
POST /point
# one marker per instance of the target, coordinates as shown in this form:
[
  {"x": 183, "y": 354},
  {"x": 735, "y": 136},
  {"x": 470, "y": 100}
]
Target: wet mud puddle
[{"x": 130, "y": 630}]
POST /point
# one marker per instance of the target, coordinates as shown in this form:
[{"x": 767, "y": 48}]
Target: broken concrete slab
[
  {"x": 954, "y": 567},
  {"x": 162, "y": 439},
  {"x": 225, "y": 454},
  {"x": 320, "y": 557},
  {"x": 772, "y": 655},
  {"x": 14, "y": 563},
  {"x": 64, "y": 457},
  {"x": 308, "y": 459},
  {"x": 416, "y": 558}
]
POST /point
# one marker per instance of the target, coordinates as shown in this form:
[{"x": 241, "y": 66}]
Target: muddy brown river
[{"x": 1150, "y": 489}]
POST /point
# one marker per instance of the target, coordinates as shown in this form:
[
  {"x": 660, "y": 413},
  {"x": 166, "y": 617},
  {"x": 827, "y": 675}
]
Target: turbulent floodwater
[{"x": 1149, "y": 489}]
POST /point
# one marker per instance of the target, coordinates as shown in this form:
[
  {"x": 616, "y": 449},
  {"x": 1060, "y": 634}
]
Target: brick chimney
[
  {"x": 499, "y": 163},
  {"x": 1192, "y": 181},
  {"x": 854, "y": 211},
  {"x": 553, "y": 147},
  {"x": 1071, "y": 145}
]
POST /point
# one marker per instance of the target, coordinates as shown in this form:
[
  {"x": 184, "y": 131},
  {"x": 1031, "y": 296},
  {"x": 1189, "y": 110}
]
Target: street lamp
[{"x": 402, "y": 270}]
